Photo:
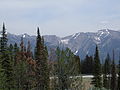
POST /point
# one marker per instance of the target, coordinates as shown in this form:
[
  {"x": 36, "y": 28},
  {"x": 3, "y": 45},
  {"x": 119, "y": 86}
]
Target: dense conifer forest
[{"x": 23, "y": 69}]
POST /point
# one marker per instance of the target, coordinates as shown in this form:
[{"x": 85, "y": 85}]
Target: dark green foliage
[
  {"x": 29, "y": 52},
  {"x": 62, "y": 70},
  {"x": 6, "y": 70},
  {"x": 113, "y": 74},
  {"x": 106, "y": 72},
  {"x": 11, "y": 54},
  {"x": 67, "y": 65},
  {"x": 21, "y": 75},
  {"x": 87, "y": 65},
  {"x": 118, "y": 86},
  {"x": 21, "y": 68},
  {"x": 19, "y": 71},
  {"x": 16, "y": 48},
  {"x": 77, "y": 65},
  {"x": 41, "y": 57},
  {"x": 97, "y": 80},
  {"x": 24, "y": 67},
  {"x": 15, "y": 53}
]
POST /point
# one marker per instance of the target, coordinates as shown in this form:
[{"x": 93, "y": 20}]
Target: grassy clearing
[
  {"x": 86, "y": 82},
  {"x": 76, "y": 83}
]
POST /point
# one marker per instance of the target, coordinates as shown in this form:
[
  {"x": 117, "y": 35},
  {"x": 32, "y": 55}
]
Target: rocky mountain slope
[{"x": 80, "y": 43}]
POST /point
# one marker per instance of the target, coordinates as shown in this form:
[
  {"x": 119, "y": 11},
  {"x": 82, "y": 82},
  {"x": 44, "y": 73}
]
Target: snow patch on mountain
[
  {"x": 75, "y": 35},
  {"x": 65, "y": 41},
  {"x": 87, "y": 52},
  {"x": 76, "y": 52},
  {"x": 97, "y": 40},
  {"x": 24, "y": 36},
  {"x": 80, "y": 43},
  {"x": 103, "y": 33}
]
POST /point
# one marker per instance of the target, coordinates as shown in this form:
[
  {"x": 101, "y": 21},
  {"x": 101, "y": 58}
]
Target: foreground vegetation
[{"x": 58, "y": 69}]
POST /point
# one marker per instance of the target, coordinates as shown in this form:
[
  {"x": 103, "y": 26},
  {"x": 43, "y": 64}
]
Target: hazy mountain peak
[{"x": 80, "y": 43}]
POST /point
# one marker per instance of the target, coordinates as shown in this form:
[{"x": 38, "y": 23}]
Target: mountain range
[{"x": 80, "y": 43}]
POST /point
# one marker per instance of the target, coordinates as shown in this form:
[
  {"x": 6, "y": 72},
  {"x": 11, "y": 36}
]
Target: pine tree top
[
  {"x": 38, "y": 32},
  {"x": 4, "y": 26}
]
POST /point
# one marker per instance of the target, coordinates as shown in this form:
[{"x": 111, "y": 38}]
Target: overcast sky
[{"x": 59, "y": 17}]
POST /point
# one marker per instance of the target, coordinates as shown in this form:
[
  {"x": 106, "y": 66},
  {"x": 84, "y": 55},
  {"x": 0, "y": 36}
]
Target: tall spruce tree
[
  {"x": 67, "y": 65},
  {"x": 21, "y": 67},
  {"x": 77, "y": 65},
  {"x": 106, "y": 73},
  {"x": 6, "y": 70},
  {"x": 31, "y": 68},
  {"x": 15, "y": 52},
  {"x": 118, "y": 85},
  {"x": 41, "y": 57},
  {"x": 11, "y": 54},
  {"x": 87, "y": 65},
  {"x": 113, "y": 74},
  {"x": 61, "y": 70},
  {"x": 97, "y": 80},
  {"x": 10, "y": 48},
  {"x": 29, "y": 52}
]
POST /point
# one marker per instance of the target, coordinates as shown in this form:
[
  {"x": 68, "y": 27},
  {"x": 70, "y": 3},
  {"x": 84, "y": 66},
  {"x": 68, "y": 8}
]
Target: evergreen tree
[
  {"x": 11, "y": 54},
  {"x": 21, "y": 68},
  {"x": 11, "y": 48},
  {"x": 31, "y": 68},
  {"x": 62, "y": 70},
  {"x": 87, "y": 65},
  {"x": 106, "y": 73},
  {"x": 6, "y": 70},
  {"x": 67, "y": 65},
  {"x": 77, "y": 65},
  {"x": 15, "y": 52},
  {"x": 113, "y": 74},
  {"x": 41, "y": 57},
  {"x": 97, "y": 80},
  {"x": 29, "y": 52},
  {"x": 118, "y": 85}
]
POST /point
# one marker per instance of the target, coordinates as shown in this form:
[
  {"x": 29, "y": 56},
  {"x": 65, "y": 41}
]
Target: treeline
[
  {"x": 59, "y": 69},
  {"x": 20, "y": 69},
  {"x": 106, "y": 75},
  {"x": 64, "y": 70}
]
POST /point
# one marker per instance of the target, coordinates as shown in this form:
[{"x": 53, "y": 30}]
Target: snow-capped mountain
[{"x": 80, "y": 43}]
